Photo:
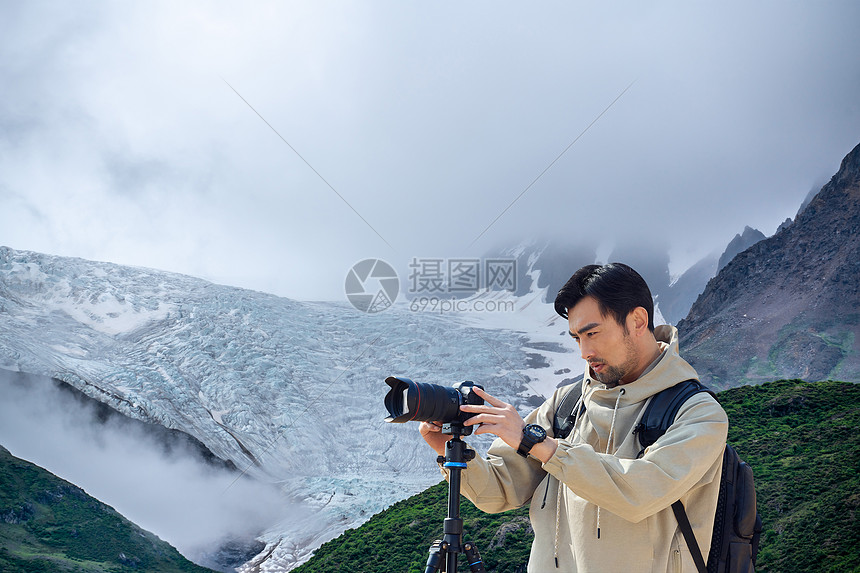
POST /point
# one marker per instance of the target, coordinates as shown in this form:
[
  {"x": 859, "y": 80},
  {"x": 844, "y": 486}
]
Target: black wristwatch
[{"x": 532, "y": 434}]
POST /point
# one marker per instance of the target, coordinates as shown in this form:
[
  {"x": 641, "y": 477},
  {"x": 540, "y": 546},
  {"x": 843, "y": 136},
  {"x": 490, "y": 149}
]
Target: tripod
[{"x": 444, "y": 552}]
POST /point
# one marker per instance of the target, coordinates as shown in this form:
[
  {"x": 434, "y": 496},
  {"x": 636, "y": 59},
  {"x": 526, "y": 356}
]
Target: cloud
[
  {"x": 429, "y": 120},
  {"x": 163, "y": 486}
]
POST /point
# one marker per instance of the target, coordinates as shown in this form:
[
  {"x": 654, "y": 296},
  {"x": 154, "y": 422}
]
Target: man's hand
[
  {"x": 432, "y": 434},
  {"x": 495, "y": 417},
  {"x": 503, "y": 420}
]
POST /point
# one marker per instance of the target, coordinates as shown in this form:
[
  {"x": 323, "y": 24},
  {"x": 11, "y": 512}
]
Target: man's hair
[{"x": 617, "y": 288}]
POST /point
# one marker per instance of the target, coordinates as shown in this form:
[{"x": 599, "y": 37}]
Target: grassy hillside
[
  {"x": 50, "y": 525},
  {"x": 800, "y": 438}
]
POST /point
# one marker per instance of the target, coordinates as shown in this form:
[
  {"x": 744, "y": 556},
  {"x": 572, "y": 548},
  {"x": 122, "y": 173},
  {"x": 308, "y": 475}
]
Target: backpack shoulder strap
[
  {"x": 659, "y": 415},
  {"x": 562, "y": 422},
  {"x": 689, "y": 537},
  {"x": 662, "y": 409}
]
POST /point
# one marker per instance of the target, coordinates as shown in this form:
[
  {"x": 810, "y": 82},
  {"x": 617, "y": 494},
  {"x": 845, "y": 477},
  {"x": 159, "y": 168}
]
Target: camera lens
[{"x": 409, "y": 401}]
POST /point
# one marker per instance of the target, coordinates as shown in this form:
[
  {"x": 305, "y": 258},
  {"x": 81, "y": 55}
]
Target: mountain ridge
[
  {"x": 546, "y": 264},
  {"x": 789, "y": 306}
]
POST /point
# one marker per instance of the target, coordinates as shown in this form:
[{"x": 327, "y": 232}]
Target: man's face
[{"x": 605, "y": 345}]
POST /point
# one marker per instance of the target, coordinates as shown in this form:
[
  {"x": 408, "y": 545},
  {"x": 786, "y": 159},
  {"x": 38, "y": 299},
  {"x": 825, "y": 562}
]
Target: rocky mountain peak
[
  {"x": 789, "y": 306},
  {"x": 740, "y": 243}
]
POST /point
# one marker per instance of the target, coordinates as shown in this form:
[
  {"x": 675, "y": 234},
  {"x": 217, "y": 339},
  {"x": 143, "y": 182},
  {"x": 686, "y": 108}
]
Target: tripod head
[
  {"x": 456, "y": 429},
  {"x": 457, "y": 454}
]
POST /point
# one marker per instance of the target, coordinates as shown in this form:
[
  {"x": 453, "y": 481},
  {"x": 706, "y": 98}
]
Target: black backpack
[{"x": 737, "y": 523}]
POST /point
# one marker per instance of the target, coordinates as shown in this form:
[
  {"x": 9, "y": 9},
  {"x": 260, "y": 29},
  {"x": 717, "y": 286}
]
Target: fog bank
[{"x": 162, "y": 483}]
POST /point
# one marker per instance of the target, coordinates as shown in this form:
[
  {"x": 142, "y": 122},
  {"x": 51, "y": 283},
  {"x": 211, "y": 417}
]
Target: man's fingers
[
  {"x": 484, "y": 430},
  {"x": 490, "y": 420},
  {"x": 489, "y": 398},
  {"x": 428, "y": 427},
  {"x": 475, "y": 409}
]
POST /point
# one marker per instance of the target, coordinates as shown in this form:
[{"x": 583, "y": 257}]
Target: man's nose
[{"x": 585, "y": 350}]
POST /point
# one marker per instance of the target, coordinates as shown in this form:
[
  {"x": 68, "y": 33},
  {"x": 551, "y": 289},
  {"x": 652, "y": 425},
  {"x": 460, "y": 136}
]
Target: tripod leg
[
  {"x": 444, "y": 553},
  {"x": 438, "y": 555},
  {"x": 476, "y": 564}
]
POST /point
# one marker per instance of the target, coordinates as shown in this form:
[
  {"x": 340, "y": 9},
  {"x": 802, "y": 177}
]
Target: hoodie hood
[{"x": 666, "y": 371}]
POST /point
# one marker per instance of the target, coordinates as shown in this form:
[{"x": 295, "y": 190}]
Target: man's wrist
[{"x": 545, "y": 450}]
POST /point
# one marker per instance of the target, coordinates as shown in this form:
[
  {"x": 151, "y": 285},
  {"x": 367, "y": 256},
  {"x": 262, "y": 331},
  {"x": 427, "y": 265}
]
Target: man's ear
[{"x": 637, "y": 321}]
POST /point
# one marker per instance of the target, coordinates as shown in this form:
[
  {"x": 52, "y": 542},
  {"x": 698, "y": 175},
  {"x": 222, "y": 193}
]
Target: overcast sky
[{"x": 145, "y": 133}]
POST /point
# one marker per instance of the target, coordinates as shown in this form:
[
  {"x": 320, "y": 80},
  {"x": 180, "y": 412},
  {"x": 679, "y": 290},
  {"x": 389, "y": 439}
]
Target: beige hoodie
[{"x": 614, "y": 514}]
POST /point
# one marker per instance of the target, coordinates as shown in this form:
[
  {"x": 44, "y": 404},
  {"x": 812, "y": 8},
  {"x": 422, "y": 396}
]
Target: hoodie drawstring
[{"x": 608, "y": 448}]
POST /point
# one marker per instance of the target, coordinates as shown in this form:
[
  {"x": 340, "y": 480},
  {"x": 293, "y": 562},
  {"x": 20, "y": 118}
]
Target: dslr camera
[{"x": 409, "y": 401}]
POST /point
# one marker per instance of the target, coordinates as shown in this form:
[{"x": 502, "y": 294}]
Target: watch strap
[{"x": 526, "y": 445}]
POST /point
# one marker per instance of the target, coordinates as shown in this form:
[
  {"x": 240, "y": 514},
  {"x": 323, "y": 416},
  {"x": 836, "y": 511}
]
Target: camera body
[{"x": 409, "y": 401}]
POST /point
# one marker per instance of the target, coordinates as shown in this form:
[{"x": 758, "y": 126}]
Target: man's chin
[{"x": 609, "y": 377}]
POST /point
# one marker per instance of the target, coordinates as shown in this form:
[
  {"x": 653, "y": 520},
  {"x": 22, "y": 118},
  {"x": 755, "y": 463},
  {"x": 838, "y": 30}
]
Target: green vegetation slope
[
  {"x": 800, "y": 438},
  {"x": 50, "y": 525}
]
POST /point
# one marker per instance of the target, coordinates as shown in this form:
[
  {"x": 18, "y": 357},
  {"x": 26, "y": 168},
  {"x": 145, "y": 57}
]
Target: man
[{"x": 596, "y": 505}]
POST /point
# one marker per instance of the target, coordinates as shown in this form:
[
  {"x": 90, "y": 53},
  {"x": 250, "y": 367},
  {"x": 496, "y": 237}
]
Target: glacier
[{"x": 290, "y": 392}]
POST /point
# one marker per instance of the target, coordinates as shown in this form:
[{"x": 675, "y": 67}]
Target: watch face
[{"x": 535, "y": 432}]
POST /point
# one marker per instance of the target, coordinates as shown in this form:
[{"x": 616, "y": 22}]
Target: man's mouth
[{"x": 597, "y": 366}]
